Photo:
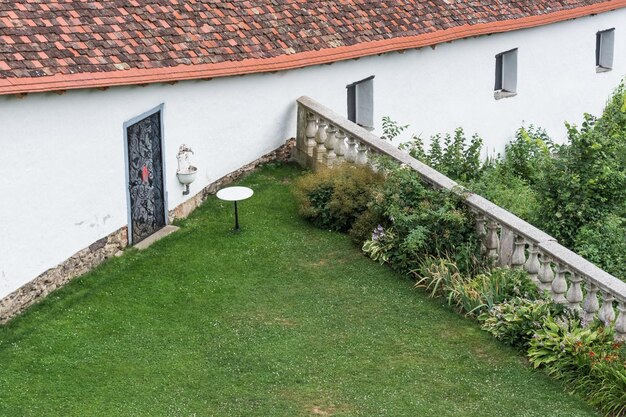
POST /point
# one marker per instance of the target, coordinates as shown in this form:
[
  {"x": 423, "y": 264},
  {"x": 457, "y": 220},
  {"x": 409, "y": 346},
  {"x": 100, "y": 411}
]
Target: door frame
[{"x": 126, "y": 125}]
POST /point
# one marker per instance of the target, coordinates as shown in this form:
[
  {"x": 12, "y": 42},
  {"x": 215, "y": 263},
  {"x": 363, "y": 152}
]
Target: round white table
[{"x": 235, "y": 194}]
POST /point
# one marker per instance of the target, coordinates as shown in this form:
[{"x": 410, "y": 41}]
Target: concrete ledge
[
  {"x": 500, "y": 94},
  {"x": 156, "y": 236}
]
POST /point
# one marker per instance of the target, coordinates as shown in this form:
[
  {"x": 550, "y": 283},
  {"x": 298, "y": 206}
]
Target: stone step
[{"x": 158, "y": 235}]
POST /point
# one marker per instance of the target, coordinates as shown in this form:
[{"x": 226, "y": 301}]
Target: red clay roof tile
[{"x": 165, "y": 40}]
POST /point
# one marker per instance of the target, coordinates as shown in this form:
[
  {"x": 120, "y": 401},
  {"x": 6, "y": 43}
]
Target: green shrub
[
  {"x": 441, "y": 277},
  {"x": 604, "y": 243},
  {"x": 419, "y": 221},
  {"x": 526, "y": 156},
  {"x": 563, "y": 345},
  {"x": 515, "y": 321},
  {"x": 586, "y": 179},
  {"x": 453, "y": 155},
  {"x": 334, "y": 198},
  {"x": 364, "y": 225},
  {"x": 570, "y": 190},
  {"x": 483, "y": 291},
  {"x": 587, "y": 360},
  {"x": 438, "y": 276},
  {"x": 510, "y": 192}
]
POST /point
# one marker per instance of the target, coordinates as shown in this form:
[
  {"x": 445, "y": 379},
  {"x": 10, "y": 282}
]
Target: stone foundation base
[
  {"x": 93, "y": 255},
  {"x": 80, "y": 263}
]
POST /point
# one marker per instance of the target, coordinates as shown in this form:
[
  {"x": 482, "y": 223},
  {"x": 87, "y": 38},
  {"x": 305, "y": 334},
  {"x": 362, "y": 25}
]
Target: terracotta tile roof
[{"x": 59, "y": 44}]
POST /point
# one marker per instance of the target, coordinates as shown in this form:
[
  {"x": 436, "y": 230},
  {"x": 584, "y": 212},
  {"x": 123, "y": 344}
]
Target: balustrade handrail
[{"x": 551, "y": 251}]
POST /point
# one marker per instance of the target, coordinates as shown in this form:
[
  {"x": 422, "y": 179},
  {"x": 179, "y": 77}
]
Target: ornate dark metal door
[{"x": 145, "y": 172}]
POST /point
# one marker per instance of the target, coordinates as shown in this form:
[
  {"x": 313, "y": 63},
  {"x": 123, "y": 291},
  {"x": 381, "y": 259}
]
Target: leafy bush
[
  {"x": 559, "y": 343},
  {"x": 515, "y": 321},
  {"x": 510, "y": 192},
  {"x": 586, "y": 180},
  {"x": 604, "y": 243},
  {"x": 588, "y": 360},
  {"x": 453, "y": 155},
  {"x": 419, "y": 221},
  {"x": 472, "y": 295},
  {"x": 363, "y": 226},
  {"x": 483, "y": 291},
  {"x": 334, "y": 198},
  {"x": 438, "y": 276},
  {"x": 509, "y": 181},
  {"x": 527, "y": 156},
  {"x": 575, "y": 191}
]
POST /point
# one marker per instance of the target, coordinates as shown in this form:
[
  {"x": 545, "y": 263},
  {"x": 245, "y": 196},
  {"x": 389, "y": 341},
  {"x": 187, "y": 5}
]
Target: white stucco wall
[{"x": 62, "y": 166}]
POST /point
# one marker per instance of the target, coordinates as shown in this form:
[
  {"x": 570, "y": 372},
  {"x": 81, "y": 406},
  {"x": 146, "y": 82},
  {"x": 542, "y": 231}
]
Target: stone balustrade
[{"x": 326, "y": 138}]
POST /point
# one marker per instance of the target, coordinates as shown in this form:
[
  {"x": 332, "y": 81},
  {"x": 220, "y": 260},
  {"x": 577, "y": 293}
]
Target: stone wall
[
  {"x": 79, "y": 263},
  {"x": 88, "y": 258}
]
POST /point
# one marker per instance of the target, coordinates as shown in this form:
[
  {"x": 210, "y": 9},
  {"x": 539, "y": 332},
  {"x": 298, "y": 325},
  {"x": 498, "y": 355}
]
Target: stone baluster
[
  {"x": 591, "y": 304},
  {"x": 372, "y": 159},
  {"x": 546, "y": 274},
  {"x": 492, "y": 242},
  {"x": 371, "y": 155},
  {"x": 606, "y": 313},
  {"x": 575, "y": 293},
  {"x": 532, "y": 263},
  {"x": 310, "y": 131},
  {"x": 361, "y": 156},
  {"x": 340, "y": 146},
  {"x": 320, "y": 139},
  {"x": 330, "y": 158},
  {"x": 559, "y": 285},
  {"x": 351, "y": 152},
  {"x": 481, "y": 233},
  {"x": 518, "y": 259},
  {"x": 505, "y": 252},
  {"x": 620, "y": 323}
]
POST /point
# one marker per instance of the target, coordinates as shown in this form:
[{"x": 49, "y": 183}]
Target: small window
[
  {"x": 506, "y": 74},
  {"x": 361, "y": 102},
  {"x": 604, "y": 50}
]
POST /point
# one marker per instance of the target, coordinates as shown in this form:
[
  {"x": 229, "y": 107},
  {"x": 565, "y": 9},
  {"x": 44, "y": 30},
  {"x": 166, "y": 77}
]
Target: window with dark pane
[
  {"x": 506, "y": 74},
  {"x": 361, "y": 102},
  {"x": 605, "y": 44}
]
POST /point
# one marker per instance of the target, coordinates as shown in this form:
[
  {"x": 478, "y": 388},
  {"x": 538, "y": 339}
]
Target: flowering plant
[
  {"x": 380, "y": 245},
  {"x": 587, "y": 359}
]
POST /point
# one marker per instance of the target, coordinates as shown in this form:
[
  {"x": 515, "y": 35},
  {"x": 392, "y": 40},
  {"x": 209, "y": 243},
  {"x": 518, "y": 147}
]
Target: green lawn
[{"x": 281, "y": 319}]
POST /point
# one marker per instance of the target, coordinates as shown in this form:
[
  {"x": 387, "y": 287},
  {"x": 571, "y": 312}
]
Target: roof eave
[{"x": 292, "y": 61}]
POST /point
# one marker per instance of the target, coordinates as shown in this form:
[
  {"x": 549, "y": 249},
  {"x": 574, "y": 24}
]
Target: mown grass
[{"x": 281, "y": 319}]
